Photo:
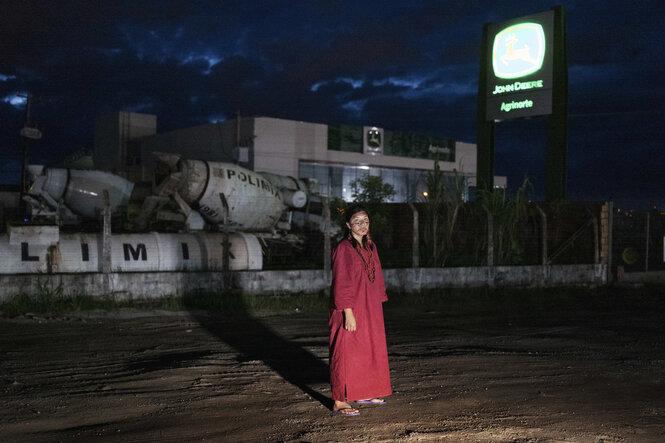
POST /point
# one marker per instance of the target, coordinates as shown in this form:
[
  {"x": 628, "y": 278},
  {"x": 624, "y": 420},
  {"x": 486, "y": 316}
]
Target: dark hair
[
  {"x": 354, "y": 209},
  {"x": 350, "y": 212}
]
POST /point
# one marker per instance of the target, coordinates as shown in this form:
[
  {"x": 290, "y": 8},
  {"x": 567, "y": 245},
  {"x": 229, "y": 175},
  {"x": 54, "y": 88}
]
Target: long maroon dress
[{"x": 358, "y": 360}]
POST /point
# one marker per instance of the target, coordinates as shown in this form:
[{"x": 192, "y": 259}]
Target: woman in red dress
[{"x": 358, "y": 353}]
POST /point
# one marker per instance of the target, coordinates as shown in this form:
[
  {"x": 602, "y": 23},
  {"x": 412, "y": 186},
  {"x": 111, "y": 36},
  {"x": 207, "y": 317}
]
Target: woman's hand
[{"x": 349, "y": 320}]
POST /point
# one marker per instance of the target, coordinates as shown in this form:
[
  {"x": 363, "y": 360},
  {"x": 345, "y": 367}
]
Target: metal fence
[
  {"x": 639, "y": 241},
  {"x": 546, "y": 234}
]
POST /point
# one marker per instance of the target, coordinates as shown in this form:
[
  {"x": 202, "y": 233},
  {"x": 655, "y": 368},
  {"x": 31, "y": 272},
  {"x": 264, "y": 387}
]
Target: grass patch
[
  {"x": 240, "y": 303},
  {"x": 237, "y": 303},
  {"x": 527, "y": 305},
  {"x": 54, "y": 303}
]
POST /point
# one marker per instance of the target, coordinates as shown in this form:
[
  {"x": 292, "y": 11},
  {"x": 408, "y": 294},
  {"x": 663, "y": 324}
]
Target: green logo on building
[{"x": 374, "y": 138}]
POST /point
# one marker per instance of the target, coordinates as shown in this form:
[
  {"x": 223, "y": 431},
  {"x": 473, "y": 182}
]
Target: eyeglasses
[{"x": 364, "y": 221}]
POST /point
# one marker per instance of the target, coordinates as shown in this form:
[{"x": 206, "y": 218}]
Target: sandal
[
  {"x": 339, "y": 411},
  {"x": 372, "y": 401}
]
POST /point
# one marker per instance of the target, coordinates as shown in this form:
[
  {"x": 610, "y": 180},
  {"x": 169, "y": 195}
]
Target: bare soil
[{"x": 493, "y": 368}]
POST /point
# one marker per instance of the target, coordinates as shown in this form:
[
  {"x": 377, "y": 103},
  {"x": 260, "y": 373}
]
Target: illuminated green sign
[
  {"x": 517, "y": 86},
  {"x": 519, "y": 61},
  {"x": 518, "y": 50},
  {"x": 524, "y": 104},
  {"x": 524, "y": 74}
]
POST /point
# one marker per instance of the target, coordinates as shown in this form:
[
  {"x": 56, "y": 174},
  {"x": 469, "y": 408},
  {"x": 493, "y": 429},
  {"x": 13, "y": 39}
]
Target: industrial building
[{"x": 333, "y": 155}]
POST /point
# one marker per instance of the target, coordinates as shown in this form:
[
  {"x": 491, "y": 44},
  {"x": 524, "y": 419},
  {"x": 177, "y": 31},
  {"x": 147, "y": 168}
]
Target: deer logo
[
  {"x": 373, "y": 140},
  {"x": 513, "y": 53},
  {"x": 519, "y": 50}
]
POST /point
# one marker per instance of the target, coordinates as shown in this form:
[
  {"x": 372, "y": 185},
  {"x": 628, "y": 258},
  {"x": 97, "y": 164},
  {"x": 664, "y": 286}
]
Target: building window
[{"x": 335, "y": 180}]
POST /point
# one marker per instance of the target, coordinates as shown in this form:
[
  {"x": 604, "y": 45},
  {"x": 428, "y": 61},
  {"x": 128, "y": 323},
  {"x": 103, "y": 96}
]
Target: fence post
[
  {"x": 106, "y": 234},
  {"x": 543, "y": 235},
  {"x": 609, "y": 239},
  {"x": 226, "y": 259},
  {"x": 415, "y": 245},
  {"x": 596, "y": 244},
  {"x": 490, "y": 237},
  {"x": 646, "y": 253},
  {"x": 326, "y": 234}
]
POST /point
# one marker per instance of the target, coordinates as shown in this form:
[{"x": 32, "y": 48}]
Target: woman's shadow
[{"x": 256, "y": 341}]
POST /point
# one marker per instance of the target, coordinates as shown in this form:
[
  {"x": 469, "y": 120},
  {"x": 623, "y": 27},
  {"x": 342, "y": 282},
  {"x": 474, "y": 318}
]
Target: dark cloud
[{"x": 401, "y": 65}]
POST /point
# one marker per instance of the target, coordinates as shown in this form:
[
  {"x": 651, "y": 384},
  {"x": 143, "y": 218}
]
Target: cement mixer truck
[
  {"x": 227, "y": 194},
  {"x": 214, "y": 207}
]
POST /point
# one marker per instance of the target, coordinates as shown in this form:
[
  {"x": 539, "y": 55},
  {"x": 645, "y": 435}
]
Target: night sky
[{"x": 401, "y": 65}]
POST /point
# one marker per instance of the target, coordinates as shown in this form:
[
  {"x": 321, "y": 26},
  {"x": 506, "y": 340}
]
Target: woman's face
[{"x": 359, "y": 225}]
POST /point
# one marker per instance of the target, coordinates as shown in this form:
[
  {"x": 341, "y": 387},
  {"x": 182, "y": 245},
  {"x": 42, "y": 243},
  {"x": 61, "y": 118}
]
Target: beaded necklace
[{"x": 370, "y": 269}]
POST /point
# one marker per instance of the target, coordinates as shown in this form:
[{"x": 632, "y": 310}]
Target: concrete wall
[
  {"x": 158, "y": 284},
  {"x": 651, "y": 277},
  {"x": 280, "y": 144}
]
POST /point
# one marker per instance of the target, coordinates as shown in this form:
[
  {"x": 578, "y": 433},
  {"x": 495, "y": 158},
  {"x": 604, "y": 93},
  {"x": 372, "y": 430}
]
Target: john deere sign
[
  {"x": 524, "y": 73},
  {"x": 520, "y": 80}
]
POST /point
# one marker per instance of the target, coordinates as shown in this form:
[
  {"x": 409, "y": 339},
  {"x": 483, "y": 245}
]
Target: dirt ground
[{"x": 494, "y": 369}]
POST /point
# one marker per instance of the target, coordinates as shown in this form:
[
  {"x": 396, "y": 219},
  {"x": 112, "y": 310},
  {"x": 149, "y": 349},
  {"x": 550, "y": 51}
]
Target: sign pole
[
  {"x": 485, "y": 129},
  {"x": 24, "y": 147},
  {"x": 557, "y": 122}
]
